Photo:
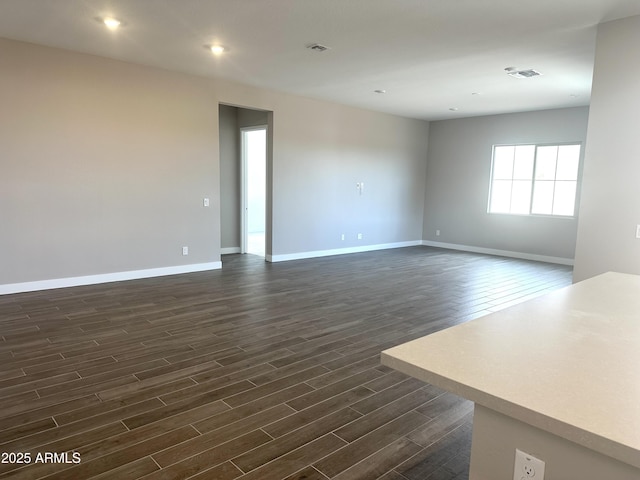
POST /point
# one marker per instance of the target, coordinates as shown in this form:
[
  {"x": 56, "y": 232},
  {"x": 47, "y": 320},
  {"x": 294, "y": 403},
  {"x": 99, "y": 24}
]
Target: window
[{"x": 534, "y": 179}]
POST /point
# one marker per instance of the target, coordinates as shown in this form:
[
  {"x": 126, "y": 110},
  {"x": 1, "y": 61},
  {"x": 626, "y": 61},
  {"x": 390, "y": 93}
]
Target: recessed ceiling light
[
  {"x": 216, "y": 48},
  {"x": 380, "y": 91},
  {"x": 476, "y": 93},
  {"x": 111, "y": 23},
  {"x": 454, "y": 109}
]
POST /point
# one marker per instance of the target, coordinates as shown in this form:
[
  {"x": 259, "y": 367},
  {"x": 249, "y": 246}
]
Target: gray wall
[
  {"x": 458, "y": 173},
  {"x": 105, "y": 164},
  {"x": 251, "y": 118},
  {"x": 325, "y": 151},
  {"x": 610, "y": 207},
  {"x": 229, "y": 177}
]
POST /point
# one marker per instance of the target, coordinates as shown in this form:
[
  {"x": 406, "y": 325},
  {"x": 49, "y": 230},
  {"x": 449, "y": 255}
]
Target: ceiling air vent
[
  {"x": 316, "y": 47},
  {"x": 522, "y": 73}
]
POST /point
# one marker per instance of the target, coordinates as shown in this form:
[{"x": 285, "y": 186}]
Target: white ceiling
[{"x": 429, "y": 55}]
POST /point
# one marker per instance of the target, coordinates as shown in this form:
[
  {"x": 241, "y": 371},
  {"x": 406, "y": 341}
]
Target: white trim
[
  {"x": 201, "y": 267},
  {"x": 243, "y": 192},
  {"x": 501, "y": 253},
  {"x": 106, "y": 278},
  {"x": 244, "y": 182},
  {"x": 228, "y": 250},
  {"x": 339, "y": 251}
]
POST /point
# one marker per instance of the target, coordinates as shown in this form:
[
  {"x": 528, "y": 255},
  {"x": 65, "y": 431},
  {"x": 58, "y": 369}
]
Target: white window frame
[{"x": 533, "y": 179}]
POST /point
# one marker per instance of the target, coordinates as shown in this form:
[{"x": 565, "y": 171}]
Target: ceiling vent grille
[
  {"x": 524, "y": 73},
  {"x": 316, "y": 47}
]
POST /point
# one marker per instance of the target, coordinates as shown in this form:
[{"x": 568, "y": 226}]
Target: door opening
[{"x": 253, "y": 147}]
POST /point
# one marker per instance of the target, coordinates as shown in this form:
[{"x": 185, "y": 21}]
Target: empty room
[{"x": 294, "y": 239}]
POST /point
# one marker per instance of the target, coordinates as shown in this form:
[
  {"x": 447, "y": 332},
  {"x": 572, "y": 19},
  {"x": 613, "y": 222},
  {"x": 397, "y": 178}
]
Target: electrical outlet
[
  {"x": 342, "y": 237},
  {"x": 185, "y": 250},
  {"x": 359, "y": 236},
  {"x": 205, "y": 202},
  {"x": 527, "y": 467},
  {"x": 437, "y": 233}
]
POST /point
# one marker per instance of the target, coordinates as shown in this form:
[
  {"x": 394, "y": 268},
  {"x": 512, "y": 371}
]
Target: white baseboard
[
  {"x": 339, "y": 251},
  {"x": 229, "y": 250},
  {"x": 201, "y": 267},
  {"x": 501, "y": 253},
  {"x": 106, "y": 278}
]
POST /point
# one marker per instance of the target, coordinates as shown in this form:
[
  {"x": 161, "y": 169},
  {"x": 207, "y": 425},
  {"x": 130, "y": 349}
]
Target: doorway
[{"x": 253, "y": 152}]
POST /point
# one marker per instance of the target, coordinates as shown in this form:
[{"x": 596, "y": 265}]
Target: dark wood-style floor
[{"x": 256, "y": 371}]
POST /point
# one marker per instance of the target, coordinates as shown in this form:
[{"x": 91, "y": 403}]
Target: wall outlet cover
[{"x": 527, "y": 467}]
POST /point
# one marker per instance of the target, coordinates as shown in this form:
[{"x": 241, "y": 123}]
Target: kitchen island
[{"x": 557, "y": 377}]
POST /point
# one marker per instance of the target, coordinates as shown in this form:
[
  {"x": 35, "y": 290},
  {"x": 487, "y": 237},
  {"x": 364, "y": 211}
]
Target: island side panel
[{"x": 496, "y": 437}]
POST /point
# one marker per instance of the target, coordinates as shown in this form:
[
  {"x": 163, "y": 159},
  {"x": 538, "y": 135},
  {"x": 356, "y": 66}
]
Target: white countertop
[{"x": 567, "y": 363}]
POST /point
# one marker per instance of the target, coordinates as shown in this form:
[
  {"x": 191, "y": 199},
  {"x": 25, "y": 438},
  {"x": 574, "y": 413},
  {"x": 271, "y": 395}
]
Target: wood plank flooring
[{"x": 256, "y": 371}]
